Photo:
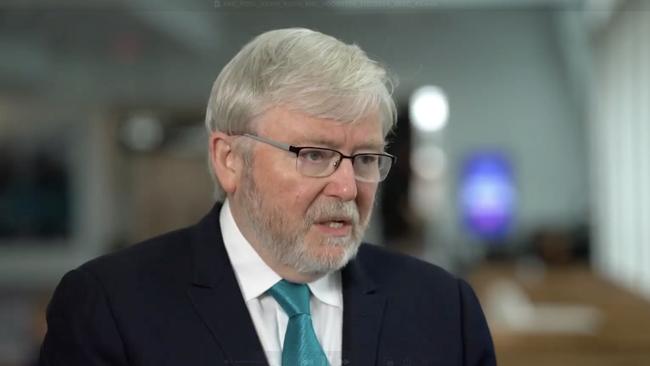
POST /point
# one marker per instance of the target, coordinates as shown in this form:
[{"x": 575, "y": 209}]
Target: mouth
[{"x": 335, "y": 226}]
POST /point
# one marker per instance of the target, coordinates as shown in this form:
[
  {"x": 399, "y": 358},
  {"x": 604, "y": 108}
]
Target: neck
[{"x": 294, "y": 276}]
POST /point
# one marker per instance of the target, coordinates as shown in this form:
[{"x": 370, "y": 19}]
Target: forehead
[{"x": 295, "y": 127}]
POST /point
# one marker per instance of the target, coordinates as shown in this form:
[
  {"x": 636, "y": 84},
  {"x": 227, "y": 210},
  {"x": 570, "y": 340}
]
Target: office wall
[{"x": 620, "y": 146}]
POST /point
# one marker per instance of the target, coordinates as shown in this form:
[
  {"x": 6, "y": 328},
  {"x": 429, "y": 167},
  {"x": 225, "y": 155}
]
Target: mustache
[{"x": 334, "y": 210}]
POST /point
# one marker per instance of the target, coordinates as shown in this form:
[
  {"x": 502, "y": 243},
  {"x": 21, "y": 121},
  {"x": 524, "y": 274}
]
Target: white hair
[{"x": 305, "y": 70}]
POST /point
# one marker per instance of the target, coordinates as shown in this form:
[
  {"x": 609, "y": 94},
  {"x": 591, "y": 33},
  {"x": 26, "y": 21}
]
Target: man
[{"x": 276, "y": 274}]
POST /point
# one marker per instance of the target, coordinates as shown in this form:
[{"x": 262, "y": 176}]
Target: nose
[{"x": 342, "y": 184}]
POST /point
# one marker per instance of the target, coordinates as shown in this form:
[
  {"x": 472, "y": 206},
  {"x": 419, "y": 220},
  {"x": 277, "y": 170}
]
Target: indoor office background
[{"x": 523, "y": 150}]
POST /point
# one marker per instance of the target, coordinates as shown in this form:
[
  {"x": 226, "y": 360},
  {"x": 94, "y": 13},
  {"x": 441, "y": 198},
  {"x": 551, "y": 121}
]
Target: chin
[{"x": 331, "y": 255}]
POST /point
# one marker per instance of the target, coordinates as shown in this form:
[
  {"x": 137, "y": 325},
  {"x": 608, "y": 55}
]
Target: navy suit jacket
[{"x": 174, "y": 300}]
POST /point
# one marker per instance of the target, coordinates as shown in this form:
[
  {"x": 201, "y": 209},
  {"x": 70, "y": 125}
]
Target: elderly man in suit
[{"x": 276, "y": 272}]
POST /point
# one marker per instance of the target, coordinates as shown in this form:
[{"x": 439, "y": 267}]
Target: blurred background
[{"x": 523, "y": 147}]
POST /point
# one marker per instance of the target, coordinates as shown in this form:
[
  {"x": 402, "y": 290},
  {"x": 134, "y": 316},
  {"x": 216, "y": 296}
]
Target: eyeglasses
[{"x": 322, "y": 162}]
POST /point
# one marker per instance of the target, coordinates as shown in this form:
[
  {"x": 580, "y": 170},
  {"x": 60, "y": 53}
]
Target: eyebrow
[{"x": 370, "y": 145}]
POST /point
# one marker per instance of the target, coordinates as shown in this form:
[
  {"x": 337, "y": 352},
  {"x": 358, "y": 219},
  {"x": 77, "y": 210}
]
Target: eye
[
  {"x": 366, "y": 159},
  {"x": 315, "y": 155}
]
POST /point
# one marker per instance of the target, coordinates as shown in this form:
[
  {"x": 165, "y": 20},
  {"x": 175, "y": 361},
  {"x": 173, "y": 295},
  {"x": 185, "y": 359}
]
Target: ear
[{"x": 225, "y": 163}]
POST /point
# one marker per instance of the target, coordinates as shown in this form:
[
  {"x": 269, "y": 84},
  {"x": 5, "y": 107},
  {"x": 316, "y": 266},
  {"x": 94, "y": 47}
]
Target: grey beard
[{"x": 288, "y": 248}]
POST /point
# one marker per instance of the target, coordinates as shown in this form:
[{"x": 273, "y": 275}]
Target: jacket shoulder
[
  {"x": 155, "y": 256},
  {"x": 388, "y": 266}
]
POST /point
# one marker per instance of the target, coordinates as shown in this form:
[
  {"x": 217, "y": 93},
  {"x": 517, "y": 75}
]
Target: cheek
[
  {"x": 288, "y": 191},
  {"x": 366, "y": 197},
  {"x": 273, "y": 175},
  {"x": 303, "y": 196}
]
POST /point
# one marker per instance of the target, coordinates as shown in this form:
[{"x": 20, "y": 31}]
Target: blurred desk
[{"x": 621, "y": 338}]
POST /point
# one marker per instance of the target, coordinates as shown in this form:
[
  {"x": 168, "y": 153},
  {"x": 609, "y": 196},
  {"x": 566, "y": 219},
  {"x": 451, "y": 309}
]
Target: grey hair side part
[{"x": 305, "y": 70}]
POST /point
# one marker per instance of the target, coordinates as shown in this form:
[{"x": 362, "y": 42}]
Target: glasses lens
[
  {"x": 372, "y": 167},
  {"x": 315, "y": 162}
]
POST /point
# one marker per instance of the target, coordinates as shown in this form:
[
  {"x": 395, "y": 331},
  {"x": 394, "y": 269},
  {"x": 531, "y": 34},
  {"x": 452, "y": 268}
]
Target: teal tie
[{"x": 301, "y": 347}]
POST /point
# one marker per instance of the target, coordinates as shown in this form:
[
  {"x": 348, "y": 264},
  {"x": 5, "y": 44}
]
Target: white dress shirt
[{"x": 255, "y": 277}]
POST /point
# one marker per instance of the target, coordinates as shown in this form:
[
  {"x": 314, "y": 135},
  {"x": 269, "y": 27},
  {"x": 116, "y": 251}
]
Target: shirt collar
[
  {"x": 327, "y": 289},
  {"x": 255, "y": 277}
]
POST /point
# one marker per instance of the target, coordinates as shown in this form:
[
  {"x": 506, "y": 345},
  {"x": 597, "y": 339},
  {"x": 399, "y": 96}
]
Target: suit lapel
[
  {"x": 216, "y": 296},
  {"x": 363, "y": 309}
]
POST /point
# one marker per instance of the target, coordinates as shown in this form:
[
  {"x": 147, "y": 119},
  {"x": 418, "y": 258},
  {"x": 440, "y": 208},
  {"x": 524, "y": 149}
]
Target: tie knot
[{"x": 293, "y": 297}]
